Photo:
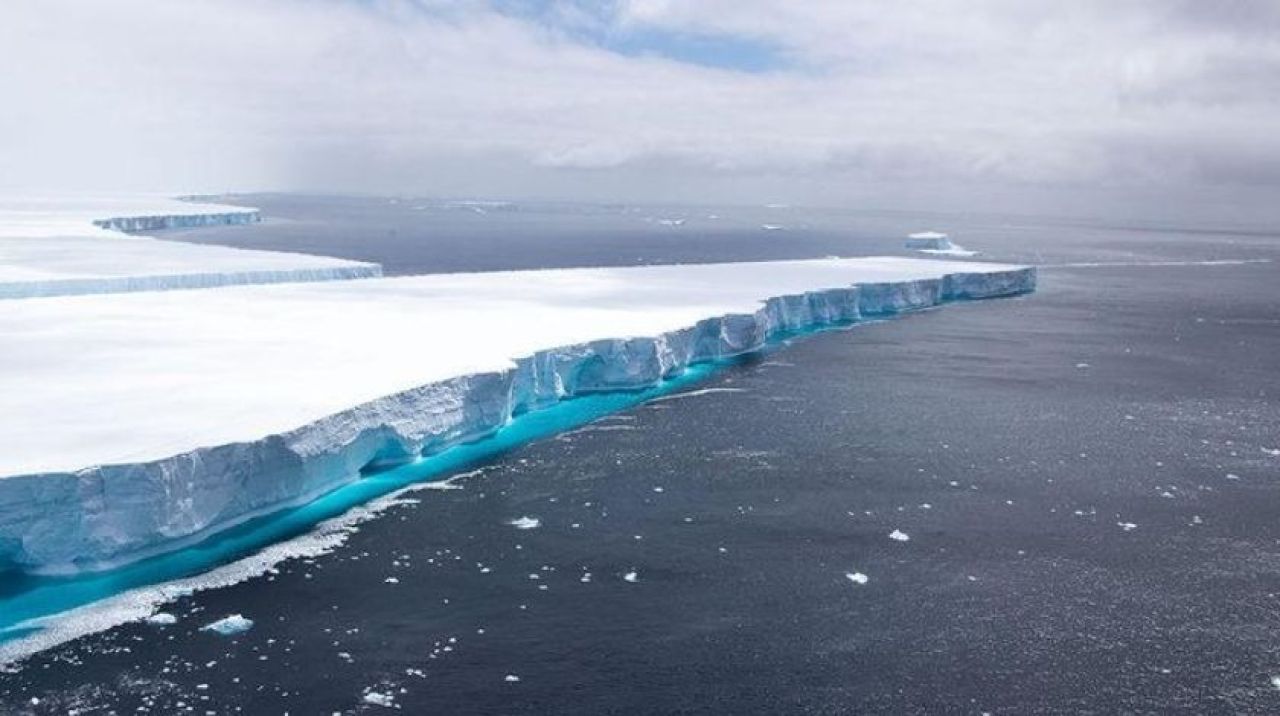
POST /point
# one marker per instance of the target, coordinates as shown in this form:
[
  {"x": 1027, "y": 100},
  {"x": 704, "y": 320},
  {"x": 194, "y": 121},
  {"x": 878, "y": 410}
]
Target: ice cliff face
[
  {"x": 131, "y": 224},
  {"x": 102, "y": 516},
  {"x": 929, "y": 241},
  {"x": 181, "y": 281}
]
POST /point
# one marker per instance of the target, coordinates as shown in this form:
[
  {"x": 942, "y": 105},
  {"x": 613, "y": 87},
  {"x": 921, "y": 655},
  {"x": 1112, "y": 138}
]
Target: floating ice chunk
[
  {"x": 631, "y": 576},
  {"x": 511, "y": 678},
  {"x": 927, "y": 240},
  {"x": 379, "y": 698},
  {"x": 899, "y": 536},
  {"x": 162, "y": 619},
  {"x": 936, "y": 243},
  {"x": 230, "y": 626},
  {"x": 772, "y": 227},
  {"x": 1232, "y": 476},
  {"x": 857, "y": 577},
  {"x": 391, "y": 580},
  {"x": 1127, "y": 526},
  {"x": 930, "y": 242},
  {"x": 526, "y": 523},
  {"x": 1273, "y": 452}
]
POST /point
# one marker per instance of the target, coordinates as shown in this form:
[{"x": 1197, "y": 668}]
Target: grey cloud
[{"x": 454, "y": 97}]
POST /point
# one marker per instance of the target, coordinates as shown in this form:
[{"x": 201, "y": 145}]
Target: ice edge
[
  {"x": 172, "y": 282},
  {"x": 180, "y": 282},
  {"x": 157, "y": 222},
  {"x": 105, "y": 516}
]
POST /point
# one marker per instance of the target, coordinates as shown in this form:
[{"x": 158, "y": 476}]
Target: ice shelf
[
  {"x": 132, "y": 422},
  {"x": 80, "y": 246}
]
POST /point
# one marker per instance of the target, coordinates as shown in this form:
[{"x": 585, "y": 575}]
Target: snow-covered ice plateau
[
  {"x": 136, "y": 421},
  {"x": 59, "y": 247},
  {"x": 137, "y": 418}
]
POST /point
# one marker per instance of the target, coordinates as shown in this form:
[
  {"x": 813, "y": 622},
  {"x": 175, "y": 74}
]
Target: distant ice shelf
[
  {"x": 61, "y": 247},
  {"x": 135, "y": 423}
]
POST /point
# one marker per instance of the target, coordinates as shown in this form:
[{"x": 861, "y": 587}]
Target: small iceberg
[
  {"x": 230, "y": 626},
  {"x": 526, "y": 523},
  {"x": 937, "y": 243},
  {"x": 379, "y": 698},
  {"x": 162, "y": 619}
]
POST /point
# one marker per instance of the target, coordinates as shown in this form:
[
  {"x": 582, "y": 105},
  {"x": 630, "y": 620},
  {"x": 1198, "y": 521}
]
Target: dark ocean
[{"x": 1067, "y": 502}]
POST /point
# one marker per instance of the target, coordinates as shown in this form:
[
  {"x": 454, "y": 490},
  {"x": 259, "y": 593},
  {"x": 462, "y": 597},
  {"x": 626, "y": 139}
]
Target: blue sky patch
[{"x": 592, "y": 24}]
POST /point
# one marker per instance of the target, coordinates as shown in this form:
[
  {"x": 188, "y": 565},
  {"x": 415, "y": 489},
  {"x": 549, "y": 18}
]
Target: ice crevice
[{"x": 108, "y": 515}]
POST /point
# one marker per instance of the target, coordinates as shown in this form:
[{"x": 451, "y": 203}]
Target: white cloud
[{"x": 454, "y": 97}]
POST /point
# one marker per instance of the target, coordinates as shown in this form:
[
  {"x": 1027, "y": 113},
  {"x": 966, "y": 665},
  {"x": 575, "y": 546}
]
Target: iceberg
[
  {"x": 136, "y": 423},
  {"x": 934, "y": 240},
  {"x": 64, "y": 247},
  {"x": 936, "y": 243},
  {"x": 229, "y": 626}
]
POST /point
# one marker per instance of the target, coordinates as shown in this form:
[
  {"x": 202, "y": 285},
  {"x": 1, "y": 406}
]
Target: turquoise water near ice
[
  {"x": 27, "y": 597},
  {"x": 24, "y": 598}
]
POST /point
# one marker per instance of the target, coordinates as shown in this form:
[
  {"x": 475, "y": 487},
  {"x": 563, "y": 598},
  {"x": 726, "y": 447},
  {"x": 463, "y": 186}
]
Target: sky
[{"x": 1150, "y": 107}]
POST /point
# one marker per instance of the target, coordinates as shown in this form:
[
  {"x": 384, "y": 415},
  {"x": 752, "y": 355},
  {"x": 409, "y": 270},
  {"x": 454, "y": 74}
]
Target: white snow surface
[
  {"x": 74, "y": 246},
  {"x": 134, "y": 421}
]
